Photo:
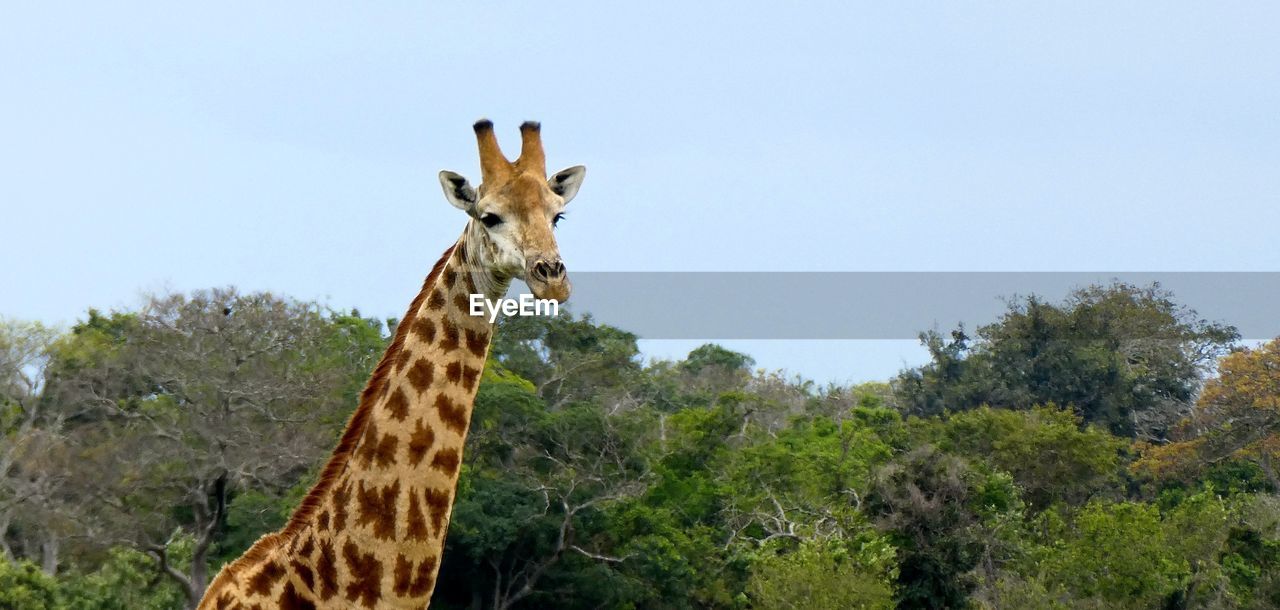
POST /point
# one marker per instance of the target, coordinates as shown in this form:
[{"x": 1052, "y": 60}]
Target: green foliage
[
  {"x": 252, "y": 514},
  {"x": 715, "y": 356},
  {"x": 351, "y": 344},
  {"x": 809, "y": 475},
  {"x": 813, "y": 457},
  {"x": 1117, "y": 552},
  {"x": 24, "y": 587},
  {"x": 151, "y": 421},
  {"x": 818, "y": 577},
  {"x": 1198, "y": 528},
  {"x": 1012, "y": 590},
  {"x": 567, "y": 359},
  {"x": 592, "y": 480},
  {"x": 925, "y": 500},
  {"x": 1051, "y": 458},
  {"x": 127, "y": 580},
  {"x": 506, "y": 407},
  {"x": 1127, "y": 358},
  {"x": 674, "y": 564}
]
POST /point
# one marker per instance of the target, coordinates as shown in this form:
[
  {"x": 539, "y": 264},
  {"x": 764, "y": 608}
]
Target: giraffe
[{"x": 370, "y": 533}]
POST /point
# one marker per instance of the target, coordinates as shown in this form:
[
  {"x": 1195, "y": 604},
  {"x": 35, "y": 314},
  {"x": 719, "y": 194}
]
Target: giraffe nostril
[
  {"x": 541, "y": 270},
  {"x": 545, "y": 271}
]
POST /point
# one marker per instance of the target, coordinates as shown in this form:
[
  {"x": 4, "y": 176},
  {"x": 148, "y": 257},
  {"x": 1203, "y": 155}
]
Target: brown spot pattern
[
  {"x": 407, "y": 584},
  {"x": 425, "y": 329},
  {"x": 453, "y": 372},
  {"x": 381, "y": 451},
  {"x": 386, "y": 454},
  {"x": 403, "y": 575},
  {"x": 368, "y": 444},
  {"x": 378, "y": 508},
  {"x": 309, "y": 545},
  {"x": 398, "y": 404},
  {"x": 420, "y": 442},
  {"x": 446, "y": 461},
  {"x": 420, "y": 376},
  {"x": 449, "y": 333},
  {"x": 469, "y": 377},
  {"x": 453, "y": 415},
  {"x": 437, "y": 507},
  {"x": 462, "y": 302},
  {"x": 327, "y": 570},
  {"x": 341, "y": 496},
  {"x": 402, "y": 360},
  {"x": 437, "y": 299},
  {"x": 416, "y": 522},
  {"x": 325, "y": 506},
  {"x": 477, "y": 342},
  {"x": 291, "y": 600},
  {"x": 304, "y": 574},
  {"x": 366, "y": 576},
  {"x": 266, "y": 578}
]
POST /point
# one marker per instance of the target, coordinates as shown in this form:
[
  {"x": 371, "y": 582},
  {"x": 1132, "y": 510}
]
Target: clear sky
[{"x": 293, "y": 147}]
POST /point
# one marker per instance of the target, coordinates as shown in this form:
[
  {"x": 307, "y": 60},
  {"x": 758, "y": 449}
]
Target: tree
[
  {"x": 1047, "y": 452},
  {"x": 23, "y": 585},
  {"x": 804, "y": 483},
  {"x": 126, "y": 580},
  {"x": 1198, "y": 530},
  {"x": 142, "y": 448},
  {"x": 192, "y": 400},
  {"x": 1116, "y": 552},
  {"x": 817, "y": 577},
  {"x": 30, "y": 482},
  {"x": 534, "y": 492},
  {"x": 924, "y": 500},
  {"x": 1125, "y": 357},
  {"x": 707, "y": 372},
  {"x": 714, "y": 356},
  {"x": 569, "y": 359},
  {"x": 1236, "y": 418}
]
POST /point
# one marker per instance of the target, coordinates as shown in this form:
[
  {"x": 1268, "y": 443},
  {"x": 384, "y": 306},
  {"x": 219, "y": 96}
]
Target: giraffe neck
[
  {"x": 371, "y": 532},
  {"x": 391, "y": 510}
]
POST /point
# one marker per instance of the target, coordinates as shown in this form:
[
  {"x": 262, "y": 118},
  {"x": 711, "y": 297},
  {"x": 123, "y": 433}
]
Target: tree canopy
[
  {"x": 1109, "y": 451},
  {"x": 1125, "y": 357}
]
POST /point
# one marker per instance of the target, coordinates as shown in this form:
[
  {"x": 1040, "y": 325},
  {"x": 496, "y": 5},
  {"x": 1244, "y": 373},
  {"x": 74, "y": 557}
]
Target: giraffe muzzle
[{"x": 548, "y": 279}]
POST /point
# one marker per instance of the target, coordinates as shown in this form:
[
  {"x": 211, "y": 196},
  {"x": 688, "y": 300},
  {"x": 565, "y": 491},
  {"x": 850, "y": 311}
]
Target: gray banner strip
[{"x": 882, "y": 305}]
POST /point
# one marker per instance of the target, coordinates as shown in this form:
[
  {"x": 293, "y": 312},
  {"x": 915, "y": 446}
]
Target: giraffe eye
[
  {"x": 555, "y": 222},
  {"x": 490, "y": 220}
]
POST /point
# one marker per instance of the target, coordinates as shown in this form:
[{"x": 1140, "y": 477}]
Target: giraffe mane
[{"x": 355, "y": 428}]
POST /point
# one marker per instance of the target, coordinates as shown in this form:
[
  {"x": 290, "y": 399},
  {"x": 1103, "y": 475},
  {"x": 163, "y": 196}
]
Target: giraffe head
[{"x": 515, "y": 210}]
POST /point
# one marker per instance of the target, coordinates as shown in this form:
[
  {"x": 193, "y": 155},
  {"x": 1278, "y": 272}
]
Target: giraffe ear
[
  {"x": 458, "y": 191},
  {"x": 566, "y": 182}
]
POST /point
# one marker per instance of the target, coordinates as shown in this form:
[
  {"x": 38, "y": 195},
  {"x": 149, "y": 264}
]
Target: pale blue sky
[{"x": 294, "y": 146}]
